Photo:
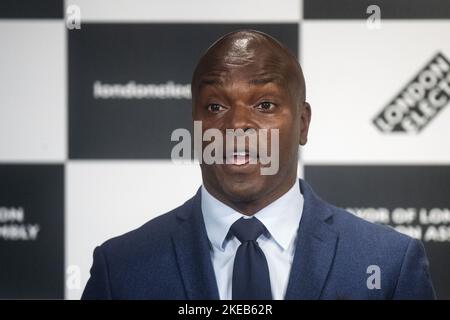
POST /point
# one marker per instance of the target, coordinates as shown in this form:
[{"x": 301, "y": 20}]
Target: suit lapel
[
  {"x": 193, "y": 252},
  {"x": 315, "y": 249}
]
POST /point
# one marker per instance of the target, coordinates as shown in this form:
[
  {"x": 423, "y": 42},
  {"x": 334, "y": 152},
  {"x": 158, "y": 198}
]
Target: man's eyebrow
[
  {"x": 211, "y": 81},
  {"x": 265, "y": 79}
]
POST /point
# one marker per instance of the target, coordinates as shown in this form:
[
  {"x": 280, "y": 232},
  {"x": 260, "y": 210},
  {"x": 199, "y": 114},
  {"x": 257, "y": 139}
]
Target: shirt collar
[{"x": 281, "y": 217}]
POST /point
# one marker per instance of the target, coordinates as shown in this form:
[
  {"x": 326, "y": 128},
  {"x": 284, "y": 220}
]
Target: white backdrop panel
[
  {"x": 32, "y": 91},
  {"x": 351, "y": 73}
]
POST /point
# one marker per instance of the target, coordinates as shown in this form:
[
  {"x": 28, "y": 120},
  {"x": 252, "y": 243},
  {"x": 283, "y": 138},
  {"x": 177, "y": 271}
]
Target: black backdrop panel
[
  {"x": 31, "y": 231},
  {"x": 138, "y": 128},
  {"x": 357, "y": 9},
  {"x": 31, "y": 9}
]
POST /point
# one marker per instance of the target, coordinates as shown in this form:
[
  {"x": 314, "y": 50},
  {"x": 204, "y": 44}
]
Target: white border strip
[{"x": 181, "y": 11}]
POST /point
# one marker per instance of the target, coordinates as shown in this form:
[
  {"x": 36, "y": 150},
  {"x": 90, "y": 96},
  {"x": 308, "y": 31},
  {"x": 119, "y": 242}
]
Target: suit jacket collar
[
  {"x": 193, "y": 252},
  {"x": 315, "y": 249},
  {"x": 314, "y": 253}
]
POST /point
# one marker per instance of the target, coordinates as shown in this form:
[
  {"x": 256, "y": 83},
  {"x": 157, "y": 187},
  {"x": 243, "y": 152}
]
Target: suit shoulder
[
  {"x": 400, "y": 260},
  {"x": 357, "y": 229},
  {"x": 139, "y": 257}
]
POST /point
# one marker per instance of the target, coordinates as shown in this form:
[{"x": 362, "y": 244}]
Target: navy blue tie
[{"x": 251, "y": 279}]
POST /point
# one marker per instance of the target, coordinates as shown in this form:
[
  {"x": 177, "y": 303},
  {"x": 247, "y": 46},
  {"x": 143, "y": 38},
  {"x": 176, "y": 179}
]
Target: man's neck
[{"x": 251, "y": 207}]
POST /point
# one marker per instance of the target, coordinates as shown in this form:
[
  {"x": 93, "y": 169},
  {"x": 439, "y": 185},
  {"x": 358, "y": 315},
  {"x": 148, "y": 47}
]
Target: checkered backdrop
[{"x": 86, "y": 116}]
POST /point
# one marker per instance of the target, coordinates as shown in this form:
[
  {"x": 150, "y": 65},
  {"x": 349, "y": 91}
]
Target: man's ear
[{"x": 305, "y": 119}]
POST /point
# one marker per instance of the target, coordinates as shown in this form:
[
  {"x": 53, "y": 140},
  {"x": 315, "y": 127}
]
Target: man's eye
[
  {"x": 215, "y": 108},
  {"x": 265, "y": 106}
]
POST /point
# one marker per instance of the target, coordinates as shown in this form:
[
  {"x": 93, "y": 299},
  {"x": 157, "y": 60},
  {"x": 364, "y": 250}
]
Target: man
[{"x": 246, "y": 235}]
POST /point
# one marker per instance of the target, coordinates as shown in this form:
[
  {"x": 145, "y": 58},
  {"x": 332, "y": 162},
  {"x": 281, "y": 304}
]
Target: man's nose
[{"x": 240, "y": 117}]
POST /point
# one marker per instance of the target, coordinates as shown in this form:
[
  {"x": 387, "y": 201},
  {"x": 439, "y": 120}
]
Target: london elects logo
[{"x": 419, "y": 101}]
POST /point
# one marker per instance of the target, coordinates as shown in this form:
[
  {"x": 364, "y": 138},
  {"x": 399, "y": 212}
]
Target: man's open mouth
[{"x": 240, "y": 158}]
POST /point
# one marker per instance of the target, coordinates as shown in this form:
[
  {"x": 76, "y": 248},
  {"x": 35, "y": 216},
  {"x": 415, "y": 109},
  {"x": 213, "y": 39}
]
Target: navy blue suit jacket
[{"x": 169, "y": 258}]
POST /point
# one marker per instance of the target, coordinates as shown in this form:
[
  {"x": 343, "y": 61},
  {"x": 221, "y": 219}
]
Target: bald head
[{"x": 264, "y": 56}]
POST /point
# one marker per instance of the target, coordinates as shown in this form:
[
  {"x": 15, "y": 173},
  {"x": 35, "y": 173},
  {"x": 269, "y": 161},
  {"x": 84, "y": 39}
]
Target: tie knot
[{"x": 247, "y": 229}]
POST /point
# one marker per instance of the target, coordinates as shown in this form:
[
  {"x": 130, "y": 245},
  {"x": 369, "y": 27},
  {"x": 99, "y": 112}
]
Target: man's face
[{"x": 241, "y": 97}]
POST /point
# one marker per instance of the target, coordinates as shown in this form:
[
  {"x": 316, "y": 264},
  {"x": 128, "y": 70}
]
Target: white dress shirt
[{"x": 281, "y": 218}]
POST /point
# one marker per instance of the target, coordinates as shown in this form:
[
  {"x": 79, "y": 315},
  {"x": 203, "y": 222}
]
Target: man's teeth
[
  {"x": 240, "y": 158},
  {"x": 240, "y": 154}
]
